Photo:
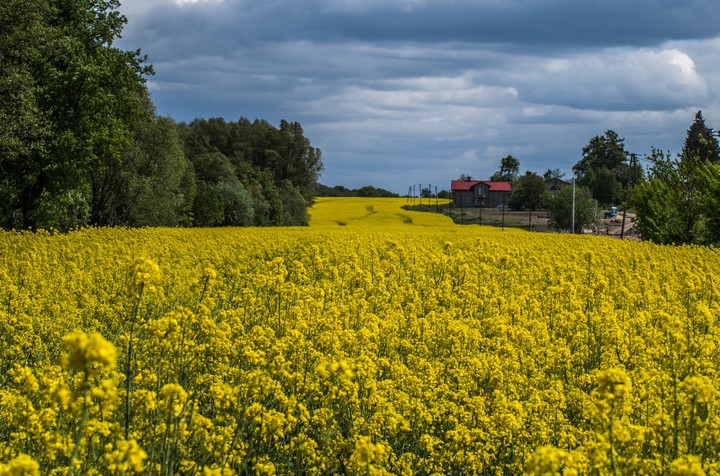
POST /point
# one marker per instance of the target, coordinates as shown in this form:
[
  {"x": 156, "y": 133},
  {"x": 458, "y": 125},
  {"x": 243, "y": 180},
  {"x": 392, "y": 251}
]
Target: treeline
[
  {"x": 81, "y": 143},
  {"x": 679, "y": 200},
  {"x": 209, "y": 173},
  {"x": 676, "y": 199},
  {"x": 340, "y": 191}
]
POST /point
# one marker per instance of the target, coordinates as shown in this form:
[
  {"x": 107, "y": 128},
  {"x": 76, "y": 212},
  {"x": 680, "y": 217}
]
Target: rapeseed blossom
[
  {"x": 89, "y": 353},
  {"x": 376, "y": 341},
  {"x": 128, "y": 457}
]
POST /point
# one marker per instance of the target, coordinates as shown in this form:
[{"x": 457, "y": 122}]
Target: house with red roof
[{"x": 480, "y": 193}]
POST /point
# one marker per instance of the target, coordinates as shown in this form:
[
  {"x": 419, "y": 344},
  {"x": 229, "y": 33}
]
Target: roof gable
[
  {"x": 467, "y": 185},
  {"x": 499, "y": 186},
  {"x": 463, "y": 185}
]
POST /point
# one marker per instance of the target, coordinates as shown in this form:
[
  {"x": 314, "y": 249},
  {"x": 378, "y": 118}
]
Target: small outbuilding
[{"x": 554, "y": 185}]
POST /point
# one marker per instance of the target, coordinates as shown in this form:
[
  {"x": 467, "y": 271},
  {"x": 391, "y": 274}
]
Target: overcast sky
[{"x": 401, "y": 92}]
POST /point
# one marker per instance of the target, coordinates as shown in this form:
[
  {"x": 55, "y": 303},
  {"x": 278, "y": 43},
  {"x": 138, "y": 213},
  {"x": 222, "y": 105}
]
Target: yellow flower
[
  {"x": 128, "y": 456},
  {"x": 687, "y": 466},
  {"x": 547, "y": 461},
  {"x": 613, "y": 382},
  {"x": 143, "y": 271},
  {"x": 265, "y": 467},
  {"x": 367, "y": 456},
  {"x": 89, "y": 353},
  {"x": 699, "y": 389},
  {"x": 22, "y": 465},
  {"x": 23, "y": 376},
  {"x": 209, "y": 274},
  {"x": 173, "y": 398}
]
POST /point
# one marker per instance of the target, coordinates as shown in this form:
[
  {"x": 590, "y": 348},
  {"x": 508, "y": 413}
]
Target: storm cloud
[{"x": 397, "y": 92}]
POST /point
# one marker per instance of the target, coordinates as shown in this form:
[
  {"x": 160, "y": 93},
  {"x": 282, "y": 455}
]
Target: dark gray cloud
[
  {"x": 539, "y": 23},
  {"x": 419, "y": 91}
]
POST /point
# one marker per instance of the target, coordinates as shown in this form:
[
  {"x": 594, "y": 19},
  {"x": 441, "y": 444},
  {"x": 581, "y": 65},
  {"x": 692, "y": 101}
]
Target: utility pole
[
  {"x": 437, "y": 205},
  {"x": 530, "y": 220},
  {"x": 420, "y": 192},
  {"x": 630, "y": 172},
  {"x": 503, "y": 215}
]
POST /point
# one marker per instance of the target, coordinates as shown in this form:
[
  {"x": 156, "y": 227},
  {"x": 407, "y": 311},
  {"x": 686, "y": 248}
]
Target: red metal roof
[
  {"x": 500, "y": 186},
  {"x": 463, "y": 185}
]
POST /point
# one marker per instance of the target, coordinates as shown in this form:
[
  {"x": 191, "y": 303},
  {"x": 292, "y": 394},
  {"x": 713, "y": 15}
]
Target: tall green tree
[
  {"x": 509, "y": 170},
  {"x": 700, "y": 142},
  {"x": 23, "y": 126},
  {"x": 667, "y": 202},
  {"x": 301, "y": 163},
  {"x": 75, "y": 97},
  {"x": 529, "y": 193},
  {"x": 159, "y": 178},
  {"x": 604, "y": 168},
  {"x": 236, "y": 202},
  {"x": 560, "y": 208},
  {"x": 708, "y": 178},
  {"x": 551, "y": 174}
]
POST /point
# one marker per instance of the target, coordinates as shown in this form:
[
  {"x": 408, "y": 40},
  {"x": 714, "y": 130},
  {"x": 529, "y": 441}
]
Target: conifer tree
[{"x": 700, "y": 143}]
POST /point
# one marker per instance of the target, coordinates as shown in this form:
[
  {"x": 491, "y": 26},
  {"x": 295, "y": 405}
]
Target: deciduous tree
[
  {"x": 560, "y": 208},
  {"x": 75, "y": 97},
  {"x": 555, "y": 173},
  {"x": 667, "y": 202},
  {"x": 604, "y": 168},
  {"x": 509, "y": 170},
  {"x": 529, "y": 192}
]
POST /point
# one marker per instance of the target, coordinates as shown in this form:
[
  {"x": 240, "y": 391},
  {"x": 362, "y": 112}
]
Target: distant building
[
  {"x": 480, "y": 193},
  {"x": 554, "y": 185}
]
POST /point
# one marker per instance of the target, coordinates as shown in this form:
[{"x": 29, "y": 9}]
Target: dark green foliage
[
  {"x": 679, "y": 202},
  {"x": 149, "y": 185},
  {"x": 370, "y": 191},
  {"x": 340, "y": 191},
  {"x": 270, "y": 172},
  {"x": 212, "y": 167},
  {"x": 529, "y": 193},
  {"x": 560, "y": 208},
  {"x": 555, "y": 173},
  {"x": 70, "y": 101},
  {"x": 295, "y": 204},
  {"x": 509, "y": 170},
  {"x": 236, "y": 203},
  {"x": 336, "y": 191},
  {"x": 208, "y": 208},
  {"x": 80, "y": 142},
  {"x": 160, "y": 178},
  {"x": 700, "y": 142},
  {"x": 708, "y": 179},
  {"x": 605, "y": 169},
  {"x": 669, "y": 204}
]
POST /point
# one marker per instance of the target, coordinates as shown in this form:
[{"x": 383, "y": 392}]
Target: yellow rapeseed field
[{"x": 375, "y": 341}]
